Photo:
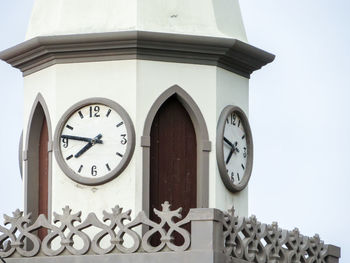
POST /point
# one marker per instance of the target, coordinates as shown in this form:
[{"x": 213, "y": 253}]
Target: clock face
[
  {"x": 94, "y": 141},
  {"x": 234, "y": 148}
]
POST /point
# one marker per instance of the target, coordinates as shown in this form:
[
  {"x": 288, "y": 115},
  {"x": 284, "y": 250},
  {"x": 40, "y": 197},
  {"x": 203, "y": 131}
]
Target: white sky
[{"x": 299, "y": 108}]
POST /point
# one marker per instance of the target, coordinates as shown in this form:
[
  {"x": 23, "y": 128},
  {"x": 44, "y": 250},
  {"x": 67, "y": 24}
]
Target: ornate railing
[{"x": 233, "y": 238}]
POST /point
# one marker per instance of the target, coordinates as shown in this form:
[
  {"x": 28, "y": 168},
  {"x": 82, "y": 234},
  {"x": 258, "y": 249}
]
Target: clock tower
[{"x": 136, "y": 103}]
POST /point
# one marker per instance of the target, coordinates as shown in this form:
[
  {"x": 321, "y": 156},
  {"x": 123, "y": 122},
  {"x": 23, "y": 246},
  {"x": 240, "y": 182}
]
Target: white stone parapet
[{"x": 224, "y": 236}]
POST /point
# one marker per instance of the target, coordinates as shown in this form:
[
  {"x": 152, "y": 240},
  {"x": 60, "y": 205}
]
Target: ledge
[
  {"x": 44, "y": 51},
  {"x": 169, "y": 257}
]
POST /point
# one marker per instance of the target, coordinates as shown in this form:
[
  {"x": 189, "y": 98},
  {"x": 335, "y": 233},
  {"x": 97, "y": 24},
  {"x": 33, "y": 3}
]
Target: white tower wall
[
  {"x": 132, "y": 52},
  {"x": 196, "y": 17}
]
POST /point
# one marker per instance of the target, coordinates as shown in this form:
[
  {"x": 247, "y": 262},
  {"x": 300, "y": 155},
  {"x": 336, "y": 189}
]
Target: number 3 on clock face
[{"x": 94, "y": 141}]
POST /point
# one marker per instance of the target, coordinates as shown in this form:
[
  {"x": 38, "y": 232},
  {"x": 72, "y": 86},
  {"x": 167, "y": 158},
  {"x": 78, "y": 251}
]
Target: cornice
[{"x": 44, "y": 51}]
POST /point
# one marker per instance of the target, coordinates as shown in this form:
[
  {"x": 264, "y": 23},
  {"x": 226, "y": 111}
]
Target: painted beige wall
[
  {"x": 198, "y": 17},
  {"x": 135, "y": 85}
]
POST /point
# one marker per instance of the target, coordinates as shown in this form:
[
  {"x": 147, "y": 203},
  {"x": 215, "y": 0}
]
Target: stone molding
[
  {"x": 222, "y": 235},
  {"x": 44, "y": 51}
]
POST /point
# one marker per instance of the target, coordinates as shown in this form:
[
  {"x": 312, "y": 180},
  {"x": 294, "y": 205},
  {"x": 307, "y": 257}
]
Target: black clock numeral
[
  {"x": 65, "y": 142},
  {"x": 242, "y": 166},
  {"x": 239, "y": 123},
  {"x": 69, "y": 157},
  {"x": 94, "y": 170},
  {"x": 243, "y": 137},
  {"x": 81, "y": 115},
  {"x": 233, "y": 119},
  {"x": 108, "y": 168},
  {"x": 119, "y": 154},
  {"x": 227, "y": 121},
  {"x": 245, "y": 152},
  {"x": 94, "y": 112},
  {"x": 123, "y": 140},
  {"x": 238, "y": 177},
  {"x": 69, "y": 127},
  {"x": 108, "y": 112},
  {"x": 232, "y": 176},
  {"x": 80, "y": 168}
]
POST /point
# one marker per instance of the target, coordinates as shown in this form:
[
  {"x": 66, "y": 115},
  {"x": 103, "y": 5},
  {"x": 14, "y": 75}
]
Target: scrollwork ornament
[
  {"x": 232, "y": 226},
  {"x": 275, "y": 239},
  {"x": 118, "y": 218},
  {"x": 92, "y": 220},
  {"x": 254, "y": 249},
  {"x": 166, "y": 216},
  {"x": 297, "y": 245},
  {"x": 67, "y": 220},
  {"x": 245, "y": 239},
  {"x": 317, "y": 250},
  {"x": 9, "y": 234}
]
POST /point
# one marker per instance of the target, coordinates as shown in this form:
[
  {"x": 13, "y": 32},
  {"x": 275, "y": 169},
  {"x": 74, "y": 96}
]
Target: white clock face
[
  {"x": 93, "y": 142},
  {"x": 235, "y": 148}
]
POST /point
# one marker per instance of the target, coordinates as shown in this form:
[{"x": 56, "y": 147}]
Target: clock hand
[
  {"x": 230, "y": 155},
  {"x": 235, "y": 147},
  {"x": 228, "y": 142},
  {"x": 78, "y": 138},
  {"x": 84, "y": 149},
  {"x": 88, "y": 146}
]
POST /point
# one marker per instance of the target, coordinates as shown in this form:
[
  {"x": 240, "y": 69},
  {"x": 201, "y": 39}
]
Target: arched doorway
[
  {"x": 203, "y": 146},
  {"x": 37, "y": 172},
  {"x": 173, "y": 158}
]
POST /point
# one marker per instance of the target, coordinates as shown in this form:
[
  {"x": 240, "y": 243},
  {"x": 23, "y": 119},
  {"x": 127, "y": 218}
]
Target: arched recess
[
  {"x": 203, "y": 145},
  {"x": 37, "y": 159}
]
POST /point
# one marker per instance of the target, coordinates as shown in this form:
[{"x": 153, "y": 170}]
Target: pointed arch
[
  {"x": 39, "y": 121},
  {"x": 203, "y": 144}
]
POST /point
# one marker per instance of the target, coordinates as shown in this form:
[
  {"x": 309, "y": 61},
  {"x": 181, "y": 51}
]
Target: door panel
[
  {"x": 173, "y": 164},
  {"x": 43, "y": 175}
]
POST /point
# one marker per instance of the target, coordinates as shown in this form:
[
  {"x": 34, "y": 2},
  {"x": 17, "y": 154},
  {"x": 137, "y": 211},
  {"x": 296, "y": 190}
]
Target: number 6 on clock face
[{"x": 94, "y": 141}]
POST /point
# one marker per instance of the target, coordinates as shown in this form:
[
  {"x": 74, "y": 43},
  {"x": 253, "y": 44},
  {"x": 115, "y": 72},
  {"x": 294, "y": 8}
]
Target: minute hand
[{"x": 78, "y": 138}]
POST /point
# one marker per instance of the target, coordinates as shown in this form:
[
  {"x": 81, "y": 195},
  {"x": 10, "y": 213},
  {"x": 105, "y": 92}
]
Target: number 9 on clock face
[{"x": 94, "y": 141}]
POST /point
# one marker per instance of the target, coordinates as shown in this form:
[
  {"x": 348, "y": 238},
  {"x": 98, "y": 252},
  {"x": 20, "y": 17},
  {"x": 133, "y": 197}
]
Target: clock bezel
[
  {"x": 129, "y": 149},
  {"x": 220, "y": 148}
]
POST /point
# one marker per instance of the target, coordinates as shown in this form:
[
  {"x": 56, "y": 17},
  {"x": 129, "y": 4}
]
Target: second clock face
[
  {"x": 94, "y": 142},
  {"x": 235, "y": 148}
]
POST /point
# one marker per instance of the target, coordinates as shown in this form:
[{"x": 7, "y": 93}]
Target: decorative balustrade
[{"x": 236, "y": 239}]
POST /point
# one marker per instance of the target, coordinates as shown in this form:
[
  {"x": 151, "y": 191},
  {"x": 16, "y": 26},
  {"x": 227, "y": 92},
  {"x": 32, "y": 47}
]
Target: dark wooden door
[
  {"x": 43, "y": 175},
  {"x": 173, "y": 165}
]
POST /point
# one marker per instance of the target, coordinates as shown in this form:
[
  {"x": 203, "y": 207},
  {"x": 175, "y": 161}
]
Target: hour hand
[
  {"x": 84, "y": 149},
  {"x": 228, "y": 142},
  {"x": 78, "y": 138},
  {"x": 229, "y": 155},
  {"x": 88, "y": 146}
]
